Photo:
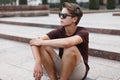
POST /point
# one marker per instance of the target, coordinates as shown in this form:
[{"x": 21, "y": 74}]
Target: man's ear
[{"x": 75, "y": 19}]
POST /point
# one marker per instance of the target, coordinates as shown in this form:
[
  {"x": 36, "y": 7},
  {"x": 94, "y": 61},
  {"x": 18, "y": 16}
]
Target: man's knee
[
  {"x": 71, "y": 51},
  {"x": 43, "y": 50},
  {"x": 47, "y": 50}
]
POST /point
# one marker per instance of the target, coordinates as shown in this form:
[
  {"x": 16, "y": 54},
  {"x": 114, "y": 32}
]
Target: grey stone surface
[
  {"x": 94, "y": 20},
  {"x": 17, "y": 63},
  {"x": 97, "y": 41},
  {"x": 16, "y": 60}
]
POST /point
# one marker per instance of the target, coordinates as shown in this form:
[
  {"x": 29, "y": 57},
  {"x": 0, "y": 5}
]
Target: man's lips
[{"x": 61, "y": 21}]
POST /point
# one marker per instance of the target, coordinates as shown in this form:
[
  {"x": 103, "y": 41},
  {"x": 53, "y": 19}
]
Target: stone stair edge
[
  {"x": 94, "y": 30},
  {"x": 93, "y": 52}
]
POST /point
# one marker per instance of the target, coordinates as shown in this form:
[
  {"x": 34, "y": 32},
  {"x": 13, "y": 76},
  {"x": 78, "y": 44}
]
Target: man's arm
[
  {"x": 35, "y": 51},
  {"x": 60, "y": 43},
  {"x": 38, "y": 65}
]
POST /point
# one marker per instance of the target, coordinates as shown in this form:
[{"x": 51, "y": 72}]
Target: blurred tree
[
  {"x": 22, "y": 2},
  {"x": 111, "y": 4},
  {"x": 62, "y": 1},
  {"x": 7, "y": 1},
  {"x": 94, "y": 4},
  {"x": 44, "y": 2},
  {"x": 101, "y": 2},
  {"x": 4, "y": 1}
]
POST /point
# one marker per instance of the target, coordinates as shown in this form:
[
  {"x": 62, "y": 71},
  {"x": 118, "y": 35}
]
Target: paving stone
[
  {"x": 118, "y": 79},
  {"x": 16, "y": 60},
  {"x": 97, "y": 41},
  {"x": 103, "y": 78},
  {"x": 11, "y": 72},
  {"x": 101, "y": 20},
  {"x": 105, "y": 68},
  {"x": 17, "y": 63}
]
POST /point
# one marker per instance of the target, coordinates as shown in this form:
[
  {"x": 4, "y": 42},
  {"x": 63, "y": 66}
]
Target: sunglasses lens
[{"x": 62, "y": 16}]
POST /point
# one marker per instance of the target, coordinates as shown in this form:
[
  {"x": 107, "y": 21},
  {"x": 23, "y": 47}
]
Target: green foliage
[
  {"x": 44, "y": 2},
  {"x": 62, "y": 1},
  {"x": 111, "y": 4},
  {"x": 22, "y": 2},
  {"x": 94, "y": 4},
  {"x": 6, "y": 1}
]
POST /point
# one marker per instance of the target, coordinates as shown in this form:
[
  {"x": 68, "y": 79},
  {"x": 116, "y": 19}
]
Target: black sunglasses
[{"x": 64, "y": 15}]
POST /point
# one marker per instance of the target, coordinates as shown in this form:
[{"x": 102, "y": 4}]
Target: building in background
[
  {"x": 105, "y": 1},
  {"x": 83, "y": 3},
  {"x": 34, "y": 2}
]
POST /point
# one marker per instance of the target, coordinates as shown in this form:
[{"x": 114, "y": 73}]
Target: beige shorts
[{"x": 78, "y": 73}]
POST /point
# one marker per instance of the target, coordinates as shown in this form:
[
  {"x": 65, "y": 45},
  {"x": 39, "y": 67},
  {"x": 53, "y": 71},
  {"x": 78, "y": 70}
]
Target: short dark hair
[{"x": 73, "y": 9}]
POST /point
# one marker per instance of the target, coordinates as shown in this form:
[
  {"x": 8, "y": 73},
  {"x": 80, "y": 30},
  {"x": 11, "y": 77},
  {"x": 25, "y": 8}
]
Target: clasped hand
[{"x": 35, "y": 42}]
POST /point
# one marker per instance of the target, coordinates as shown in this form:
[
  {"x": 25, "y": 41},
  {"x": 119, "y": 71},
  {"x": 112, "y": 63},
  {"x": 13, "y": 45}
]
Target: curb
[
  {"x": 116, "y": 14},
  {"x": 15, "y": 38},
  {"x": 89, "y": 11},
  {"x": 94, "y": 30},
  {"x": 92, "y": 52}
]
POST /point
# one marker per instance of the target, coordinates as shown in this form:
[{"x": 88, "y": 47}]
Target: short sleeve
[
  {"x": 54, "y": 33},
  {"x": 84, "y": 34}
]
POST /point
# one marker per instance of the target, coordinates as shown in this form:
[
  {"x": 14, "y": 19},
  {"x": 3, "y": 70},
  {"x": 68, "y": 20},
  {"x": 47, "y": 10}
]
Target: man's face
[{"x": 66, "y": 18}]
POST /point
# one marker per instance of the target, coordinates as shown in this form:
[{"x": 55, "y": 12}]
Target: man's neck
[{"x": 70, "y": 30}]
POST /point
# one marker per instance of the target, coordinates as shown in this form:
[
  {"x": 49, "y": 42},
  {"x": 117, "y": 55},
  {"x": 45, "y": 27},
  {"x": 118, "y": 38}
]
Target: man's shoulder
[{"x": 82, "y": 29}]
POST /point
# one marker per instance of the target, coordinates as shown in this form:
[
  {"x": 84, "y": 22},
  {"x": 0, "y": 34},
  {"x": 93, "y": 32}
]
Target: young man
[{"x": 72, "y": 41}]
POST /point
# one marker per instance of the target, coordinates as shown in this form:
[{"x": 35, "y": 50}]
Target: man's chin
[
  {"x": 65, "y": 25},
  {"x": 62, "y": 25}
]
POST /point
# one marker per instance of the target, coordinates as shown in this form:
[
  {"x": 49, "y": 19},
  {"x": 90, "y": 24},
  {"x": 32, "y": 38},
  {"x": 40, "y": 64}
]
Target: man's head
[{"x": 71, "y": 10}]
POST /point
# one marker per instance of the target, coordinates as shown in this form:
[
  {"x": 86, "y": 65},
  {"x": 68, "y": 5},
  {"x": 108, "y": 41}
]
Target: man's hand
[
  {"x": 38, "y": 71},
  {"x": 35, "y": 42}
]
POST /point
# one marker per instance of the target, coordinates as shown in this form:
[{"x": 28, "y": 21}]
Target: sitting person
[{"x": 72, "y": 41}]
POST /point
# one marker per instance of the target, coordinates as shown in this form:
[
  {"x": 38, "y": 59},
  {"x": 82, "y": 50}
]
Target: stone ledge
[
  {"x": 23, "y": 8},
  {"x": 104, "y": 31},
  {"x": 87, "y": 11},
  {"x": 116, "y": 14},
  {"x": 92, "y": 52},
  {"x": 15, "y": 38},
  {"x": 104, "y": 54},
  {"x": 10, "y": 11},
  {"x": 24, "y": 13},
  {"x": 95, "y": 30}
]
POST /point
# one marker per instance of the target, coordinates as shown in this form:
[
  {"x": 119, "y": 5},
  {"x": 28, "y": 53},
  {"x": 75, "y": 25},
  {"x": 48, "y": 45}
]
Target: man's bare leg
[
  {"x": 47, "y": 55},
  {"x": 70, "y": 58},
  {"x": 38, "y": 66}
]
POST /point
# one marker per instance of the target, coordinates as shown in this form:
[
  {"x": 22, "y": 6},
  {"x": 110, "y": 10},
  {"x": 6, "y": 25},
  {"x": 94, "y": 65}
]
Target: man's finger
[{"x": 37, "y": 76}]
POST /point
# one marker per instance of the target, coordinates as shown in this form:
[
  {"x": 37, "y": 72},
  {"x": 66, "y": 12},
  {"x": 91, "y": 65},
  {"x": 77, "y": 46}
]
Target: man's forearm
[
  {"x": 60, "y": 43},
  {"x": 63, "y": 42},
  {"x": 36, "y": 53}
]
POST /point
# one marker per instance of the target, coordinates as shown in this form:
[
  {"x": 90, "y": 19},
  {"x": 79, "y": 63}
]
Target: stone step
[
  {"x": 16, "y": 59},
  {"x": 104, "y": 23},
  {"x": 24, "y": 11},
  {"x": 94, "y": 30},
  {"x": 101, "y": 45}
]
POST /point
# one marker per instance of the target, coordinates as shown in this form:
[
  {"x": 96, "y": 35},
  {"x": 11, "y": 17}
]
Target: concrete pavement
[
  {"x": 102, "y": 45},
  {"x": 16, "y": 63},
  {"x": 104, "y": 23},
  {"x": 16, "y": 60},
  {"x": 94, "y": 20},
  {"x": 103, "y": 40}
]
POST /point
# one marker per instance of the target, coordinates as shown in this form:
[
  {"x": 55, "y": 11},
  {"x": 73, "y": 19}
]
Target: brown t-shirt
[{"x": 83, "y": 47}]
